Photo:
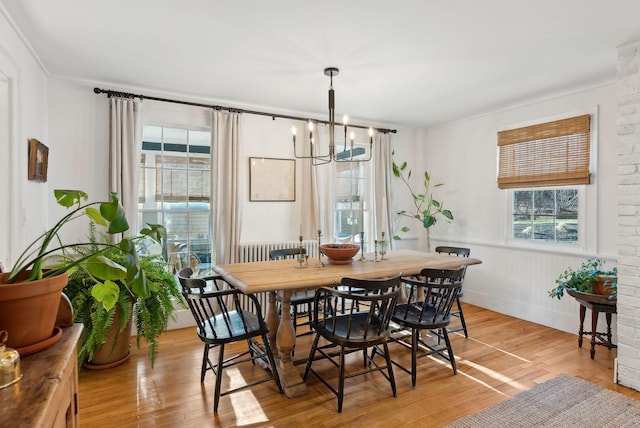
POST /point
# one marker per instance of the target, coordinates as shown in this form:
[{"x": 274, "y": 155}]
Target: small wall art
[{"x": 38, "y": 160}]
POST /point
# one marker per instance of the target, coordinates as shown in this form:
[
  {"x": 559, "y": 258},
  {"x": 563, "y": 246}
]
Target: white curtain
[
  {"x": 125, "y": 145},
  {"x": 382, "y": 185},
  {"x": 225, "y": 164}
]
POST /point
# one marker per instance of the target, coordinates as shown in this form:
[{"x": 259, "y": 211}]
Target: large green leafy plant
[
  {"x": 109, "y": 272},
  {"x": 426, "y": 208},
  {"x": 48, "y": 256}
]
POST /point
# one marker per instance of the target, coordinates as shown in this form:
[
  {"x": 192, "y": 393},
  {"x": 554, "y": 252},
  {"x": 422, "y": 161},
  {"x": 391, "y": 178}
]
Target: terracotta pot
[
  {"x": 602, "y": 287},
  {"x": 28, "y": 310},
  {"x": 109, "y": 356}
]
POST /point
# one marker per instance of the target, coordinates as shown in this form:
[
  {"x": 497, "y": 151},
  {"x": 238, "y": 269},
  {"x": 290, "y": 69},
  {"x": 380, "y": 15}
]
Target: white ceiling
[{"x": 404, "y": 62}]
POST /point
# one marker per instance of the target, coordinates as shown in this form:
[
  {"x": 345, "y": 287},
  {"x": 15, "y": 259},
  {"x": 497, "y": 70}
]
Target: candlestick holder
[
  {"x": 319, "y": 264},
  {"x": 375, "y": 251},
  {"x": 362, "y": 257},
  {"x": 383, "y": 247},
  {"x": 301, "y": 256}
]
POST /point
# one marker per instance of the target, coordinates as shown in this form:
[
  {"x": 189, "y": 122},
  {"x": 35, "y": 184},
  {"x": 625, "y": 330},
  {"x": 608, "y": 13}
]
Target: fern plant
[{"x": 150, "y": 312}]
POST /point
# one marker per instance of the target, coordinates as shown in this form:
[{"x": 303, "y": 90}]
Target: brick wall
[{"x": 628, "y": 125}]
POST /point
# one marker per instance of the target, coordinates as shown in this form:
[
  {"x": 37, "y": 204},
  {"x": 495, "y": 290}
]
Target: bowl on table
[{"x": 339, "y": 254}]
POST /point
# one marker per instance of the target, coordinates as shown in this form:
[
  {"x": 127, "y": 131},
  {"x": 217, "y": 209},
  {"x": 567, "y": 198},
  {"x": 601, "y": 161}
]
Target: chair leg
[
  {"x": 216, "y": 396},
  {"x": 272, "y": 363},
  {"x": 414, "y": 355},
  {"x": 312, "y": 353},
  {"x": 341, "y": 380},
  {"x": 449, "y": 350},
  {"x": 461, "y": 314},
  {"x": 392, "y": 379},
  {"x": 205, "y": 361},
  {"x": 295, "y": 317}
]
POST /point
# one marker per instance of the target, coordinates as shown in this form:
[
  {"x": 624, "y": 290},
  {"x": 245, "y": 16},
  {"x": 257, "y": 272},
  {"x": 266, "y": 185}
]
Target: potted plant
[
  {"x": 108, "y": 313},
  {"x": 590, "y": 278},
  {"x": 426, "y": 209},
  {"x": 30, "y": 292}
]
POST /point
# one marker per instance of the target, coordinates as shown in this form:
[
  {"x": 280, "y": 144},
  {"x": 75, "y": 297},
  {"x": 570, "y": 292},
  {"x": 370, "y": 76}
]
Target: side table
[
  {"x": 46, "y": 396},
  {"x": 597, "y": 304}
]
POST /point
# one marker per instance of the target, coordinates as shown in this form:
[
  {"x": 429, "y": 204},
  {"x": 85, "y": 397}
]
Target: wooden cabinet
[{"x": 47, "y": 394}]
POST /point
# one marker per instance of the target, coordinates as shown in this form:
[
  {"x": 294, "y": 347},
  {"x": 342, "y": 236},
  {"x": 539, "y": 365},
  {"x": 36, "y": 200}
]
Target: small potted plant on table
[{"x": 591, "y": 278}]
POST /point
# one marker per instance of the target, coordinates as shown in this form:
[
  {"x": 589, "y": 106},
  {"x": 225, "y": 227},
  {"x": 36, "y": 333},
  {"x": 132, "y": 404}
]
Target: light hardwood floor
[{"x": 502, "y": 357}]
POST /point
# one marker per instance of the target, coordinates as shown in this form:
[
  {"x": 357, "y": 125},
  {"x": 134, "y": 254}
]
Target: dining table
[{"x": 286, "y": 276}]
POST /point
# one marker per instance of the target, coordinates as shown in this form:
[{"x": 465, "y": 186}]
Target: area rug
[{"x": 563, "y": 401}]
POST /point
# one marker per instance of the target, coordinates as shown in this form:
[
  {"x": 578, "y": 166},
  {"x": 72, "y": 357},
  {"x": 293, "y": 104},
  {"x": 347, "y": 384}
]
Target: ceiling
[{"x": 405, "y": 63}]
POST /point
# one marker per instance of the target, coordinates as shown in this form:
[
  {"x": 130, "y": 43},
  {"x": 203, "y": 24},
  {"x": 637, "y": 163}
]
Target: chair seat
[
  {"x": 413, "y": 316},
  {"x": 355, "y": 331},
  {"x": 232, "y": 328}
]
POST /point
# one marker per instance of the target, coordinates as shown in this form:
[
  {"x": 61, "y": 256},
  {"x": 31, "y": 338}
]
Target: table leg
[
  {"x": 608, "y": 315},
  {"x": 594, "y": 329},
  {"x": 583, "y": 311},
  {"x": 290, "y": 378}
]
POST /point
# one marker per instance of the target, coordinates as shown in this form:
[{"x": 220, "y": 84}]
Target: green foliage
[
  {"x": 583, "y": 278},
  {"x": 151, "y": 313},
  {"x": 38, "y": 260},
  {"x": 104, "y": 276},
  {"x": 426, "y": 209}
]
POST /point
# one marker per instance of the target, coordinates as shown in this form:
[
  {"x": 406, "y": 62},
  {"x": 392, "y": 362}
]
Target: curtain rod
[{"x": 111, "y": 93}]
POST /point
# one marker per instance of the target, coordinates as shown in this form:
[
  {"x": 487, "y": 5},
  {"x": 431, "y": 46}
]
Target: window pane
[
  {"x": 545, "y": 215},
  {"x": 567, "y": 215}
]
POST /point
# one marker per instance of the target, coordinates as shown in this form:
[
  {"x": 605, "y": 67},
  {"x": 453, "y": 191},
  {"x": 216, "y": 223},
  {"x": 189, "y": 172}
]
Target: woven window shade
[{"x": 547, "y": 154}]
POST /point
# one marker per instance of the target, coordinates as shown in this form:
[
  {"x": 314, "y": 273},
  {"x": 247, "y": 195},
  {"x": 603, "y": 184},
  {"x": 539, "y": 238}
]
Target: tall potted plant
[
  {"x": 426, "y": 209},
  {"x": 30, "y": 292}
]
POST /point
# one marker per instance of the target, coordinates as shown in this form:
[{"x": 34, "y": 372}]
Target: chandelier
[{"x": 349, "y": 153}]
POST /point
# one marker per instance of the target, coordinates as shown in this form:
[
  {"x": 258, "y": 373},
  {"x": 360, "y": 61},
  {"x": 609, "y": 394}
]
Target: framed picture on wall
[
  {"x": 38, "y": 160},
  {"x": 272, "y": 180}
]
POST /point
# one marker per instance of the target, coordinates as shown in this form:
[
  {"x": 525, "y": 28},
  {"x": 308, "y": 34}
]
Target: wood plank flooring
[{"x": 502, "y": 356}]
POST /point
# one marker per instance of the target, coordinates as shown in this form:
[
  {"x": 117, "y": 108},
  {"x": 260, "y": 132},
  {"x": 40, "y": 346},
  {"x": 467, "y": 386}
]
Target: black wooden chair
[
  {"x": 461, "y": 252},
  {"x": 221, "y": 318},
  {"x": 428, "y": 307},
  {"x": 352, "y": 329},
  {"x": 299, "y": 299}
]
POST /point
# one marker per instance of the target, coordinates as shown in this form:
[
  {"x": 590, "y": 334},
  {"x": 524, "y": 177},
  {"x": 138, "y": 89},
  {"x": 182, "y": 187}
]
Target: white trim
[{"x": 11, "y": 71}]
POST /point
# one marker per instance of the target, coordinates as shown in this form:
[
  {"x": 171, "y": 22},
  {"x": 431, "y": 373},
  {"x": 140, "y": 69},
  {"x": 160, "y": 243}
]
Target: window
[
  {"x": 545, "y": 215},
  {"x": 175, "y": 181},
  {"x": 537, "y": 162}
]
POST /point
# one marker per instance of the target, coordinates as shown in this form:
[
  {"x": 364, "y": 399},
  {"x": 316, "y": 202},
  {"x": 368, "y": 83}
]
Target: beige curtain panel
[{"x": 547, "y": 154}]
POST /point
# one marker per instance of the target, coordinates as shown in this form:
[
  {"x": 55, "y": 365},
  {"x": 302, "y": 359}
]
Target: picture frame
[
  {"x": 272, "y": 180},
  {"x": 38, "y": 160}
]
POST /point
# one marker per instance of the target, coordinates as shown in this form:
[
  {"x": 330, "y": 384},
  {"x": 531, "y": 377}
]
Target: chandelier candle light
[{"x": 347, "y": 155}]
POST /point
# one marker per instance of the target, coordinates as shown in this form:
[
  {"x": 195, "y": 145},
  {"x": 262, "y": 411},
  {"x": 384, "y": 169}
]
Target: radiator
[{"x": 259, "y": 251}]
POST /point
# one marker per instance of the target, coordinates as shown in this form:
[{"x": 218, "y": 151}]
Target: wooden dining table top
[{"x": 276, "y": 275}]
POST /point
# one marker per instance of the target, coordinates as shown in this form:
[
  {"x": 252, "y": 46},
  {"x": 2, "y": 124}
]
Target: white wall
[
  {"x": 25, "y": 204},
  {"x": 628, "y": 209},
  {"x": 515, "y": 280}
]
